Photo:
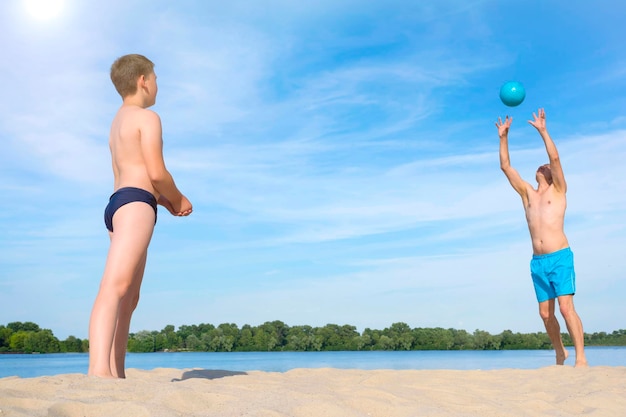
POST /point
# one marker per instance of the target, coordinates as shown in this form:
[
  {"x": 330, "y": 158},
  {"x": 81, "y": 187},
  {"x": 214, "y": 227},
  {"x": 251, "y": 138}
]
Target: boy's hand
[
  {"x": 184, "y": 210},
  {"x": 185, "y": 207},
  {"x": 167, "y": 204},
  {"x": 503, "y": 128}
]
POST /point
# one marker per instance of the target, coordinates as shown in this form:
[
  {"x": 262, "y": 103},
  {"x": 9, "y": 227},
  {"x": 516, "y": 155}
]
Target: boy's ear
[{"x": 142, "y": 83}]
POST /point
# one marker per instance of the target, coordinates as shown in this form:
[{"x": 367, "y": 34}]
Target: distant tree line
[
  {"x": 28, "y": 337},
  {"x": 277, "y": 336}
]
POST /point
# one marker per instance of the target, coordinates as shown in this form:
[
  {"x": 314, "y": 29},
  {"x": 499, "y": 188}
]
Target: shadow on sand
[{"x": 207, "y": 374}]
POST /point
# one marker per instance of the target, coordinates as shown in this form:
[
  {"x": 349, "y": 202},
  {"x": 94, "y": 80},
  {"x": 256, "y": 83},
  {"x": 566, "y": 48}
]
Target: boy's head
[{"x": 127, "y": 69}]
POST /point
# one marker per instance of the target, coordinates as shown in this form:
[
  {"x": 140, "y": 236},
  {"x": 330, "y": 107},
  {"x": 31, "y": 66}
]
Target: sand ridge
[{"x": 550, "y": 391}]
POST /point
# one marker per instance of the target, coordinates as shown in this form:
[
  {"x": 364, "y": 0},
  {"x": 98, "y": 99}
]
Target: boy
[
  {"x": 552, "y": 265},
  {"x": 141, "y": 181}
]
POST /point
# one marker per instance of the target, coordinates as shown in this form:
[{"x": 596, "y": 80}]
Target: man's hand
[
  {"x": 503, "y": 127},
  {"x": 539, "y": 120}
]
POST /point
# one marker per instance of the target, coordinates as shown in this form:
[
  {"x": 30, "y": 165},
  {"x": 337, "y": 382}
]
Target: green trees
[
  {"x": 617, "y": 338},
  {"x": 73, "y": 344},
  {"x": 278, "y": 336},
  {"x": 28, "y": 337},
  {"x": 143, "y": 341}
]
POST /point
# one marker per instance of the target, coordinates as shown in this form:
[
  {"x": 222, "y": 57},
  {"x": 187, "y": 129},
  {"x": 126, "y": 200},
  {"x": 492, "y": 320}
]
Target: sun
[{"x": 44, "y": 9}]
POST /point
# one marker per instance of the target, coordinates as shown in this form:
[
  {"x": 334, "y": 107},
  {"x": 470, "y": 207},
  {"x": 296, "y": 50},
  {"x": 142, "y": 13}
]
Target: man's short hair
[{"x": 126, "y": 70}]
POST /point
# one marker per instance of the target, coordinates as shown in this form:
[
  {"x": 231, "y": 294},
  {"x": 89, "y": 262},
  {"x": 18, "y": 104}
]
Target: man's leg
[
  {"x": 546, "y": 311},
  {"x": 574, "y": 326},
  {"x": 133, "y": 225}
]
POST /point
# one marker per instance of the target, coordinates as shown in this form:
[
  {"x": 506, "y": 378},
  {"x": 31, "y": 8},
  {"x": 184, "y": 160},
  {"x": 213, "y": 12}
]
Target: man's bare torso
[
  {"x": 545, "y": 214},
  {"x": 129, "y": 167}
]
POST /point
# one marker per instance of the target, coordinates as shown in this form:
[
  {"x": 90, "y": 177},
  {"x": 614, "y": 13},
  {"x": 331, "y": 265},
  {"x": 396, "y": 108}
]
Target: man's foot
[
  {"x": 561, "y": 357},
  {"x": 581, "y": 363}
]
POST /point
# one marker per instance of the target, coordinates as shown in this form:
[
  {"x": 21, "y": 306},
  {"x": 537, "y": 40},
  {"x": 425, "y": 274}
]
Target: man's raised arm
[
  {"x": 558, "y": 178},
  {"x": 505, "y": 162}
]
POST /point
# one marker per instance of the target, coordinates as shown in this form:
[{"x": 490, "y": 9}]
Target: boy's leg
[
  {"x": 133, "y": 225},
  {"x": 127, "y": 306},
  {"x": 574, "y": 326},
  {"x": 546, "y": 311}
]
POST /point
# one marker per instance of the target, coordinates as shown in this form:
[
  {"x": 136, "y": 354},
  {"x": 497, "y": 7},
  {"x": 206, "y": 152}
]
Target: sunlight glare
[{"x": 43, "y": 9}]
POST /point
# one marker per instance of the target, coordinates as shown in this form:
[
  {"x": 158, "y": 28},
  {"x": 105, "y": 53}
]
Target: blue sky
[{"x": 341, "y": 157}]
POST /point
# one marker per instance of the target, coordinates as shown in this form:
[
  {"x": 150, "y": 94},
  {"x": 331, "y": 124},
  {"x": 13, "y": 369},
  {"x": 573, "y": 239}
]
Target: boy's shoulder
[
  {"x": 138, "y": 115},
  {"x": 148, "y": 114},
  {"x": 139, "y": 110}
]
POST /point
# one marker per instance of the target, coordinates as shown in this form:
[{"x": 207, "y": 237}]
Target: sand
[{"x": 550, "y": 391}]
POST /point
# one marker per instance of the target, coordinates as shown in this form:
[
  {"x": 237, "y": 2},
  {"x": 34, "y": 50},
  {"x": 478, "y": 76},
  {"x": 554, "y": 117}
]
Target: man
[{"x": 552, "y": 265}]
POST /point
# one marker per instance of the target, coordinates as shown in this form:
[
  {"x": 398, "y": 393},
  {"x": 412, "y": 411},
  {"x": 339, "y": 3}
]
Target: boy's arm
[
  {"x": 511, "y": 173},
  {"x": 167, "y": 204},
  {"x": 152, "y": 150},
  {"x": 558, "y": 178}
]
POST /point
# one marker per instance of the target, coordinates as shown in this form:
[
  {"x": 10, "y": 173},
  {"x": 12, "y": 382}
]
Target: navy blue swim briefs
[{"x": 124, "y": 196}]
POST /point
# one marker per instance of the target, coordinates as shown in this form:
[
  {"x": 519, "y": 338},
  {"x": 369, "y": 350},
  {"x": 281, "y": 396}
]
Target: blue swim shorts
[
  {"x": 553, "y": 274},
  {"x": 124, "y": 196}
]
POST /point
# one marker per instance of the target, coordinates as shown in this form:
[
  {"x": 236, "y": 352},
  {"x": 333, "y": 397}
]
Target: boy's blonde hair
[{"x": 127, "y": 69}]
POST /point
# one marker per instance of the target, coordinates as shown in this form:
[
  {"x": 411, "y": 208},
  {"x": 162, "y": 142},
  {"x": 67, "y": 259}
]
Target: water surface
[{"x": 27, "y": 366}]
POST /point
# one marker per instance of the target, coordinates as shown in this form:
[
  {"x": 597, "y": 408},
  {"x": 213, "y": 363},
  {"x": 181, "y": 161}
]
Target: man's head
[
  {"x": 546, "y": 172},
  {"x": 127, "y": 69}
]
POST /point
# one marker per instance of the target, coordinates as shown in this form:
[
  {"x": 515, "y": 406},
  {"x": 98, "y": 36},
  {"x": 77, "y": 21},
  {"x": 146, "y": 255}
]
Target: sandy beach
[{"x": 550, "y": 391}]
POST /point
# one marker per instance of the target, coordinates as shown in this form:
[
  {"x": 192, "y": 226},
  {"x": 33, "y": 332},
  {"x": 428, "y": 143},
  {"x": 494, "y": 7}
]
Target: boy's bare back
[
  {"x": 136, "y": 145},
  {"x": 134, "y": 139}
]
